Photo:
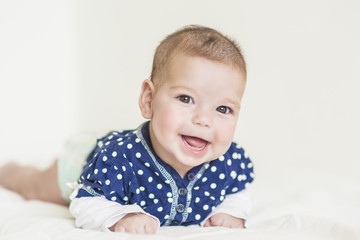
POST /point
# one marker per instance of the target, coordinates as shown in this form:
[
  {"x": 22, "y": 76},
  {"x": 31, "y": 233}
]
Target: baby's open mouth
[{"x": 194, "y": 143}]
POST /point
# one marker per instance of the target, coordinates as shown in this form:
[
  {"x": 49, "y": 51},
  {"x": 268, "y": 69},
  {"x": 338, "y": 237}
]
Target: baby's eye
[
  {"x": 185, "y": 99},
  {"x": 224, "y": 109}
]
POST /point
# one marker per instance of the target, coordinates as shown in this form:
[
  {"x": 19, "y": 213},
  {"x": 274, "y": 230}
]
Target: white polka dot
[
  {"x": 222, "y": 158},
  {"x": 160, "y": 209},
  {"x": 142, "y": 203},
  {"x": 88, "y": 176},
  {"x": 169, "y": 194},
  {"x": 129, "y": 146},
  {"x": 140, "y": 172},
  {"x": 170, "y": 200},
  {"x": 131, "y": 164},
  {"x": 206, "y": 207},
  {"x": 116, "y": 168},
  {"x": 90, "y": 164},
  {"x": 150, "y": 179},
  {"x": 189, "y": 210},
  {"x": 222, "y": 176},
  {"x": 196, "y": 188},
  {"x": 113, "y": 198},
  {"x": 119, "y": 139},
  {"x": 142, "y": 188},
  {"x": 110, "y": 137},
  {"x": 252, "y": 175},
  {"x": 242, "y": 165},
  {"x": 212, "y": 198},
  {"x": 204, "y": 179},
  {"x": 138, "y": 155},
  {"x": 123, "y": 168},
  {"x": 96, "y": 171},
  {"x": 167, "y": 181},
  {"x": 151, "y": 195},
  {"x": 157, "y": 174},
  {"x": 114, "y": 154},
  {"x": 235, "y": 189},
  {"x": 213, "y": 185},
  {"x": 156, "y": 201},
  {"x": 247, "y": 185},
  {"x": 159, "y": 186},
  {"x": 197, "y": 199},
  {"x": 229, "y": 162},
  {"x": 120, "y": 143},
  {"x": 137, "y": 191},
  {"x": 107, "y": 182},
  {"x": 250, "y": 165},
  {"x": 239, "y": 156},
  {"x": 107, "y": 143},
  {"x": 206, "y": 193},
  {"x": 104, "y": 158},
  {"x": 223, "y": 192},
  {"x": 234, "y": 155},
  {"x": 166, "y": 217},
  {"x": 104, "y": 170},
  {"x": 197, "y": 216},
  {"x": 125, "y": 198},
  {"x": 112, "y": 192},
  {"x": 222, "y": 198},
  {"x": 137, "y": 140},
  {"x": 233, "y": 174},
  {"x": 147, "y": 164},
  {"x": 213, "y": 168}
]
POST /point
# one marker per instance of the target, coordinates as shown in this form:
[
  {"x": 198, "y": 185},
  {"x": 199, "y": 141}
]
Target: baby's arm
[
  {"x": 232, "y": 212},
  {"x": 98, "y": 213}
]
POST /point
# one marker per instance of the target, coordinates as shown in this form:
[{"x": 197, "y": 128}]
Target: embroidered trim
[{"x": 165, "y": 173}]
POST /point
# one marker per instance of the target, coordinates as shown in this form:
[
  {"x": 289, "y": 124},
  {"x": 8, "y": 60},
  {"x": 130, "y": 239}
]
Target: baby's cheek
[
  {"x": 224, "y": 138},
  {"x": 167, "y": 121}
]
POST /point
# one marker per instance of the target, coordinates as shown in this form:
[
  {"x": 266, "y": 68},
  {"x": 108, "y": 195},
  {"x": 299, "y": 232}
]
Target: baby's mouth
[{"x": 194, "y": 143}]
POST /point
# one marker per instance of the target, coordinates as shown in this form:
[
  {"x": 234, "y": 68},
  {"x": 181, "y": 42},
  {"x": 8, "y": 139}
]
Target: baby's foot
[{"x": 7, "y": 173}]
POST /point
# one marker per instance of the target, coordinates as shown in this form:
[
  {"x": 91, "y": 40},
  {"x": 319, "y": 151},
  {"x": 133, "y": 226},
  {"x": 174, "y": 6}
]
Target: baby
[{"x": 179, "y": 168}]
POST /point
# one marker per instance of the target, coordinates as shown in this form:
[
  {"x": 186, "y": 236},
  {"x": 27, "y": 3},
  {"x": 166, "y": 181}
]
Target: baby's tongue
[{"x": 195, "y": 142}]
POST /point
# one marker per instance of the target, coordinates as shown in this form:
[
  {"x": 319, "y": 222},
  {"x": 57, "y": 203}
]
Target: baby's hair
[{"x": 195, "y": 40}]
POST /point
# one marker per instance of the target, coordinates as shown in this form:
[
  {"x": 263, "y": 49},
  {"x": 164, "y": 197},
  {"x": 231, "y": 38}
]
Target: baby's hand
[
  {"x": 136, "y": 223},
  {"x": 224, "y": 220}
]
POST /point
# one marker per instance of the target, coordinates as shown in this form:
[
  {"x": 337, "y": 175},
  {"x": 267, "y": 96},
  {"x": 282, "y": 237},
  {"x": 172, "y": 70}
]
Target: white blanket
[{"x": 292, "y": 204}]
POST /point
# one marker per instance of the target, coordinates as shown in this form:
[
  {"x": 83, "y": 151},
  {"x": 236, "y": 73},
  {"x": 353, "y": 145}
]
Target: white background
[{"x": 70, "y": 66}]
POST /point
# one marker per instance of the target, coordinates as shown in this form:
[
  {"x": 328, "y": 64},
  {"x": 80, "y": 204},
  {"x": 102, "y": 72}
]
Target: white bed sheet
[{"x": 291, "y": 204}]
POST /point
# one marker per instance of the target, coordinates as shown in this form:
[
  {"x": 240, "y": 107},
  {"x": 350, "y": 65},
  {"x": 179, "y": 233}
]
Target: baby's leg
[{"x": 31, "y": 183}]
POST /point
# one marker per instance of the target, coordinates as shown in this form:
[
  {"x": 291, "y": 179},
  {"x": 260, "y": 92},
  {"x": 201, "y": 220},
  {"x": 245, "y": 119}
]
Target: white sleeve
[
  {"x": 98, "y": 213},
  {"x": 236, "y": 204}
]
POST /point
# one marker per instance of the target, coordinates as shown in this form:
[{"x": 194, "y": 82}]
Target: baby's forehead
[{"x": 174, "y": 61}]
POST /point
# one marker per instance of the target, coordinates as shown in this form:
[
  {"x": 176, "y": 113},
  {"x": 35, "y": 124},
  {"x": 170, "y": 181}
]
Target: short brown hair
[{"x": 195, "y": 40}]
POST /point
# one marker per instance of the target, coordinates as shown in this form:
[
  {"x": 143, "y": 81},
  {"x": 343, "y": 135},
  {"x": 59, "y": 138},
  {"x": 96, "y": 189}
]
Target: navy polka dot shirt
[{"x": 124, "y": 168}]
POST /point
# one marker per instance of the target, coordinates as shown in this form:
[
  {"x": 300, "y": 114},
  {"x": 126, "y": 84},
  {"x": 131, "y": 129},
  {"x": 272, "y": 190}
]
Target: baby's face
[{"x": 195, "y": 112}]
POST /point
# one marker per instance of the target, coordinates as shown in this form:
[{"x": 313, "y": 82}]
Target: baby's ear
[{"x": 146, "y": 98}]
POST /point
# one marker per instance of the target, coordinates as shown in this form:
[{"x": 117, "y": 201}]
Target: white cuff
[
  {"x": 237, "y": 205},
  {"x": 98, "y": 213}
]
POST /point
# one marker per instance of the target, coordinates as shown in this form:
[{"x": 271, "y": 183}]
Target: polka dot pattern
[{"x": 124, "y": 170}]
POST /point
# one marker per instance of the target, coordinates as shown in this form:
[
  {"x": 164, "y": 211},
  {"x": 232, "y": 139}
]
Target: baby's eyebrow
[
  {"x": 181, "y": 87},
  {"x": 234, "y": 103}
]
